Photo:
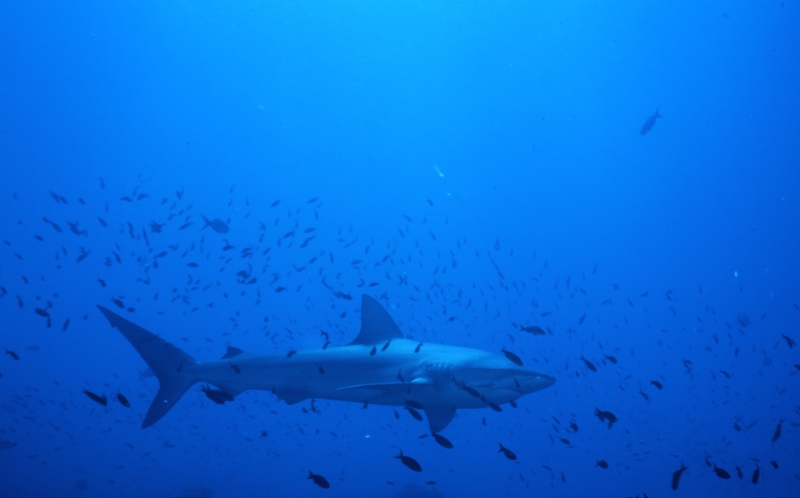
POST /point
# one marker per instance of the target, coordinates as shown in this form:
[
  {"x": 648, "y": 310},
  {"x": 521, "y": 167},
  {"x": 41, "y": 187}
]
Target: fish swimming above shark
[{"x": 438, "y": 378}]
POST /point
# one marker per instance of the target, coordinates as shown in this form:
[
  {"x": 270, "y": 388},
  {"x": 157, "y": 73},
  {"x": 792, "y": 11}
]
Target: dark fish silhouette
[
  {"x": 777, "y": 434},
  {"x": 721, "y": 473},
  {"x": 651, "y": 121},
  {"x": 533, "y": 329},
  {"x": 789, "y": 341},
  {"x": 318, "y": 480},
  {"x": 676, "y": 476},
  {"x": 7, "y": 444},
  {"x": 216, "y": 395},
  {"x": 756, "y": 473},
  {"x": 589, "y": 364},
  {"x": 602, "y": 464},
  {"x": 611, "y": 359},
  {"x": 443, "y": 441},
  {"x": 512, "y": 357},
  {"x": 603, "y": 416},
  {"x": 123, "y": 400},
  {"x": 657, "y": 384},
  {"x": 409, "y": 462},
  {"x": 216, "y": 224},
  {"x": 97, "y": 399},
  {"x": 508, "y": 453},
  {"x": 414, "y": 413},
  {"x": 12, "y": 354}
]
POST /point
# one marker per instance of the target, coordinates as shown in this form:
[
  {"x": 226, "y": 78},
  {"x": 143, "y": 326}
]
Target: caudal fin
[{"x": 172, "y": 365}]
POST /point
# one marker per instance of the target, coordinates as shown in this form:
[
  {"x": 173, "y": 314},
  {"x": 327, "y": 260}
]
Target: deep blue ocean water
[{"x": 477, "y": 167}]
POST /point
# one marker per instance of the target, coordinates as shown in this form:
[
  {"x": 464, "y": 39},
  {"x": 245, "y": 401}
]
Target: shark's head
[
  {"x": 530, "y": 381},
  {"x": 495, "y": 377}
]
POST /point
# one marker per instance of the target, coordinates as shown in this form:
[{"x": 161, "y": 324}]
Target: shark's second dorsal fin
[
  {"x": 376, "y": 324},
  {"x": 232, "y": 352}
]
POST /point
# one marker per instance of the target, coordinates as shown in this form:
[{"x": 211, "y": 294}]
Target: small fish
[
  {"x": 512, "y": 357},
  {"x": 12, "y": 354},
  {"x": 611, "y": 359},
  {"x": 739, "y": 472},
  {"x": 218, "y": 396},
  {"x": 756, "y": 473},
  {"x": 409, "y": 462},
  {"x": 533, "y": 329},
  {"x": 789, "y": 341},
  {"x": 416, "y": 350},
  {"x": 657, "y": 384},
  {"x": 443, "y": 441},
  {"x": 721, "y": 473},
  {"x": 374, "y": 350},
  {"x": 508, "y": 453},
  {"x": 774, "y": 464},
  {"x": 123, "y": 400},
  {"x": 414, "y": 404},
  {"x": 386, "y": 346},
  {"x": 777, "y": 434},
  {"x": 318, "y": 480},
  {"x": 651, "y": 121},
  {"x": 676, "y": 476},
  {"x": 216, "y": 224},
  {"x": 602, "y": 464},
  {"x": 414, "y": 413},
  {"x": 603, "y": 416},
  {"x": 94, "y": 397},
  {"x": 589, "y": 364},
  {"x": 236, "y": 368},
  {"x": 291, "y": 353},
  {"x": 644, "y": 395}
]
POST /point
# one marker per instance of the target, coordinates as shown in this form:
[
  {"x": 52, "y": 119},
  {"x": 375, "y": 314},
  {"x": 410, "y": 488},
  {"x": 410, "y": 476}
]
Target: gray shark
[{"x": 379, "y": 367}]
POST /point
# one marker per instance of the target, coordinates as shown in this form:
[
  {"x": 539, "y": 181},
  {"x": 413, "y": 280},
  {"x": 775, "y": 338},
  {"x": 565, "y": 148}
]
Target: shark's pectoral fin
[
  {"x": 439, "y": 416},
  {"x": 291, "y": 396},
  {"x": 232, "y": 352},
  {"x": 390, "y": 388}
]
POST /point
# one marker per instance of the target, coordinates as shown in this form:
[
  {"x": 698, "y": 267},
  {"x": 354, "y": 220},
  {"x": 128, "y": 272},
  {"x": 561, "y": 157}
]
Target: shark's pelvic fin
[
  {"x": 172, "y": 365},
  {"x": 439, "y": 416},
  {"x": 376, "y": 324},
  {"x": 232, "y": 352}
]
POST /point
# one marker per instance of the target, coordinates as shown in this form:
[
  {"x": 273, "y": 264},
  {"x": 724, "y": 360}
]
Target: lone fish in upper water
[
  {"x": 651, "y": 121},
  {"x": 533, "y": 329},
  {"x": 216, "y": 224},
  {"x": 589, "y": 364},
  {"x": 508, "y": 453},
  {"x": 409, "y": 462},
  {"x": 96, "y": 398},
  {"x": 123, "y": 400},
  {"x": 512, "y": 357},
  {"x": 676, "y": 476},
  {"x": 318, "y": 480},
  {"x": 721, "y": 473}
]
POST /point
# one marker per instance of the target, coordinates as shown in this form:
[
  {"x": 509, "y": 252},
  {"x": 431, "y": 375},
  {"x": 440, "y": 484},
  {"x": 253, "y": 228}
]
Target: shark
[{"x": 380, "y": 366}]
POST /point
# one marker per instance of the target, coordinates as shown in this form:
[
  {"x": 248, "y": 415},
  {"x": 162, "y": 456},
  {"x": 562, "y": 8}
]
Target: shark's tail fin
[{"x": 171, "y": 365}]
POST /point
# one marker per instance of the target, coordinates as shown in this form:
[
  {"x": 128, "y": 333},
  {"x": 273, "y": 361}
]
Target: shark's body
[{"x": 379, "y": 367}]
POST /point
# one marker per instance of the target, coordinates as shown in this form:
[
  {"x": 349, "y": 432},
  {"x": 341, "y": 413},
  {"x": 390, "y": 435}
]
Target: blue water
[{"x": 481, "y": 163}]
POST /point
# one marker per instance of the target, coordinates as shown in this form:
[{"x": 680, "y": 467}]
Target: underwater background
[{"x": 622, "y": 175}]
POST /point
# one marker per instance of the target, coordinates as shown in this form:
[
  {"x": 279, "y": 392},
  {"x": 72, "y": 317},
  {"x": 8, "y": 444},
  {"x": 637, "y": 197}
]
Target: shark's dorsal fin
[
  {"x": 376, "y": 324},
  {"x": 232, "y": 352}
]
